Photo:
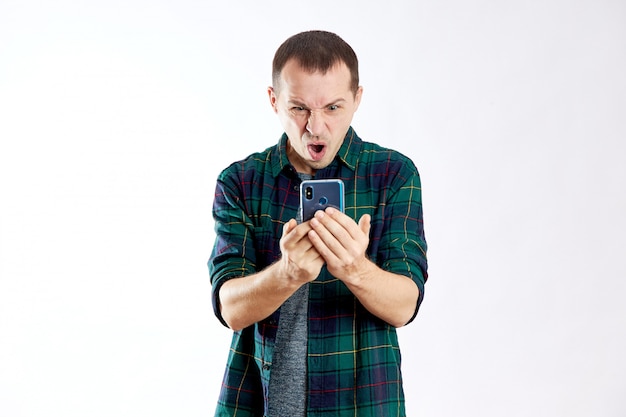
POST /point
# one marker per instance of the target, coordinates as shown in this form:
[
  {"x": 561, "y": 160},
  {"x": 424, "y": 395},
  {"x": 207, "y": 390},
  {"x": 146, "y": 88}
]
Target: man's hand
[
  {"x": 300, "y": 262},
  {"x": 247, "y": 300},
  {"x": 342, "y": 243}
]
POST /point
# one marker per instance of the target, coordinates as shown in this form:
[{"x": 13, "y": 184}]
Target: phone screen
[{"x": 318, "y": 195}]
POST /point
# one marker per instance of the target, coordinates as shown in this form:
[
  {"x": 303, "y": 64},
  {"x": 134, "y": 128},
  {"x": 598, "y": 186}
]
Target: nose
[{"x": 315, "y": 124}]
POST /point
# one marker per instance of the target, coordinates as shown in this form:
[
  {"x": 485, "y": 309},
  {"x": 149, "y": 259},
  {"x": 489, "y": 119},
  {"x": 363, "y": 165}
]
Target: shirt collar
[{"x": 348, "y": 153}]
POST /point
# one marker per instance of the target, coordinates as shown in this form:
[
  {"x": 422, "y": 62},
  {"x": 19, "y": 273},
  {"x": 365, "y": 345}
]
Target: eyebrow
[{"x": 296, "y": 102}]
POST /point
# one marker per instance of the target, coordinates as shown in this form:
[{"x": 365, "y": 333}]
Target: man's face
[{"x": 315, "y": 111}]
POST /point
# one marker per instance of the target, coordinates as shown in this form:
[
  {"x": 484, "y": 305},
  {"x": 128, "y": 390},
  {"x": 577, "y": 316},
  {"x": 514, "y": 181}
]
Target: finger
[
  {"x": 331, "y": 240},
  {"x": 365, "y": 224},
  {"x": 289, "y": 226},
  {"x": 341, "y": 226},
  {"x": 323, "y": 245},
  {"x": 328, "y": 230},
  {"x": 294, "y": 232}
]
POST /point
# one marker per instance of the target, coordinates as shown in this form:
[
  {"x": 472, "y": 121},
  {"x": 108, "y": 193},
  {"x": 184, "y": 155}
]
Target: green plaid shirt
[{"x": 353, "y": 359}]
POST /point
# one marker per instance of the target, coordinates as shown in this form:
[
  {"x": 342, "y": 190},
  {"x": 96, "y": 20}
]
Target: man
[{"x": 314, "y": 305}]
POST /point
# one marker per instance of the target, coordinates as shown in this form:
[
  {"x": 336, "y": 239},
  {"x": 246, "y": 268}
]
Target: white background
[{"x": 116, "y": 116}]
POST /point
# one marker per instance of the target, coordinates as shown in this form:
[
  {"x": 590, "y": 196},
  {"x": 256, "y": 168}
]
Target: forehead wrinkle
[
  {"x": 321, "y": 88},
  {"x": 299, "y": 102}
]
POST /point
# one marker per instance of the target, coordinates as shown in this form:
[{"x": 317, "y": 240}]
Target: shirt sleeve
[
  {"x": 233, "y": 253},
  {"x": 403, "y": 242}
]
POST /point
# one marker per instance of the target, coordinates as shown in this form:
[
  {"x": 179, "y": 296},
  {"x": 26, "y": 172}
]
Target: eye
[
  {"x": 333, "y": 107},
  {"x": 298, "y": 109}
]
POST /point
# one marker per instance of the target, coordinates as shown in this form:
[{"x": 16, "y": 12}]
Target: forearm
[
  {"x": 247, "y": 300},
  {"x": 342, "y": 243},
  {"x": 250, "y": 299},
  {"x": 391, "y": 297}
]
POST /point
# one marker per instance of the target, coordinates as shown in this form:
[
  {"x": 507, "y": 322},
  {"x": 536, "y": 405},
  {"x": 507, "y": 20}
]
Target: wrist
[{"x": 361, "y": 274}]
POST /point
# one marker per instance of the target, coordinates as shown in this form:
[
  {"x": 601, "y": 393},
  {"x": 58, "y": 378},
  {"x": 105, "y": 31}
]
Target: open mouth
[{"x": 317, "y": 151}]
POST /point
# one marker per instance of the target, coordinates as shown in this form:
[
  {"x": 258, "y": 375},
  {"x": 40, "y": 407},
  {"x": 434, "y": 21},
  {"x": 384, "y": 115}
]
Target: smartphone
[{"x": 318, "y": 195}]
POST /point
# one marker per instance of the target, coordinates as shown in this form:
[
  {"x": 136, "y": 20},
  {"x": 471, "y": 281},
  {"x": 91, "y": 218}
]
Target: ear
[
  {"x": 357, "y": 97},
  {"x": 273, "y": 99}
]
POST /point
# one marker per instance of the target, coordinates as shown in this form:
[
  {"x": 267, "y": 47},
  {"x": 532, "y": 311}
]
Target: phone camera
[{"x": 308, "y": 193}]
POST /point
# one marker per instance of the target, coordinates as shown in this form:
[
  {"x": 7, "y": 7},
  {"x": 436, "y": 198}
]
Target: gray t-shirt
[
  {"x": 288, "y": 379},
  {"x": 287, "y": 388}
]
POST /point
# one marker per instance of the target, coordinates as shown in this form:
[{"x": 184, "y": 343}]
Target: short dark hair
[{"x": 316, "y": 50}]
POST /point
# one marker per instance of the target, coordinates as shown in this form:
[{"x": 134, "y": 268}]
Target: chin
[{"x": 317, "y": 165}]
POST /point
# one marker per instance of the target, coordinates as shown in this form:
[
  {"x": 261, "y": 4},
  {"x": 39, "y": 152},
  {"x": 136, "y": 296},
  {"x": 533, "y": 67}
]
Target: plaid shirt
[{"x": 353, "y": 359}]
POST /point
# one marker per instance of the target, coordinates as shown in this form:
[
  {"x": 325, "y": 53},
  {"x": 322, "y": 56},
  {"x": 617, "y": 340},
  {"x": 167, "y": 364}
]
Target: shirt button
[
  {"x": 266, "y": 366},
  {"x": 296, "y": 187}
]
